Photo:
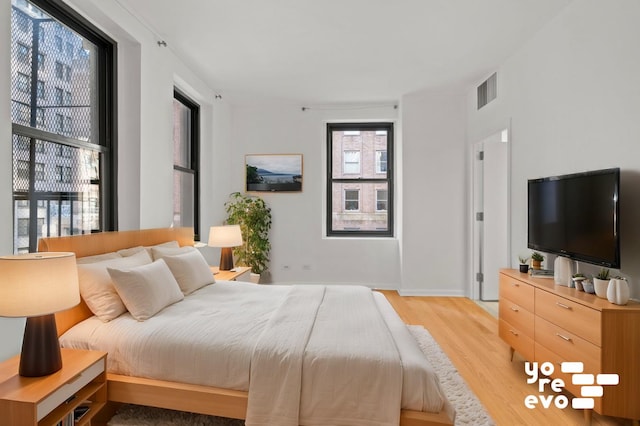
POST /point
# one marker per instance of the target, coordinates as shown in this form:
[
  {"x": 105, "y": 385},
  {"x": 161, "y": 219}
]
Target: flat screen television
[{"x": 577, "y": 216}]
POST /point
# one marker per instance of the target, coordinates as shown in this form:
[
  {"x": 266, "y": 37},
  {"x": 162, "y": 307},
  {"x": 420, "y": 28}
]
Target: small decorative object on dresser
[
  {"x": 524, "y": 265},
  {"x": 536, "y": 260},
  {"x": 618, "y": 291},
  {"x": 601, "y": 282},
  {"x": 578, "y": 278},
  {"x": 562, "y": 271}
]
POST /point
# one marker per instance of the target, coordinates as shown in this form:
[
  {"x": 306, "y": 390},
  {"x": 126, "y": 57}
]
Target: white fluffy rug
[{"x": 469, "y": 410}]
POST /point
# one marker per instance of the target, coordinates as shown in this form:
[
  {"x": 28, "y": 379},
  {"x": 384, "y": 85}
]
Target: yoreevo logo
[{"x": 591, "y": 386}]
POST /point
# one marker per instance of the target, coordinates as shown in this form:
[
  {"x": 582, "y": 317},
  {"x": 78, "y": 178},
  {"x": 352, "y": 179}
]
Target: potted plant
[
  {"x": 254, "y": 217},
  {"x": 524, "y": 264},
  {"x": 536, "y": 260},
  {"x": 601, "y": 282},
  {"x": 577, "y": 279}
]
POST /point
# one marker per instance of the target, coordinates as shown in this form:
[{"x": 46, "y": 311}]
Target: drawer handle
[
  {"x": 568, "y": 339},
  {"x": 515, "y": 284},
  {"x": 74, "y": 378},
  {"x": 515, "y": 309},
  {"x": 562, "y": 305},
  {"x": 513, "y": 332}
]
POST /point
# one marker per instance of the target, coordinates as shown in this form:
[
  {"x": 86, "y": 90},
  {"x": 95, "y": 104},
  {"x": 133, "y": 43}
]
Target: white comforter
[{"x": 311, "y": 355}]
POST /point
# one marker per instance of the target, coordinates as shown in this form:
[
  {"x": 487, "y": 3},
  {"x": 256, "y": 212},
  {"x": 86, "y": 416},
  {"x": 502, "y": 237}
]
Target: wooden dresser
[{"x": 545, "y": 322}]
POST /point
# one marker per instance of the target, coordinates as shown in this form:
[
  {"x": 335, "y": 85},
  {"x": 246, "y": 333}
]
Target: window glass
[
  {"x": 186, "y": 164},
  {"x": 71, "y": 193},
  {"x": 360, "y": 181}
]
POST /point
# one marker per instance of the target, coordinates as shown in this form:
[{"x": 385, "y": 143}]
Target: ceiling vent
[{"x": 488, "y": 90}]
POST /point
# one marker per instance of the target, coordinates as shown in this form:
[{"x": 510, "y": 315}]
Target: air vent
[{"x": 488, "y": 90}]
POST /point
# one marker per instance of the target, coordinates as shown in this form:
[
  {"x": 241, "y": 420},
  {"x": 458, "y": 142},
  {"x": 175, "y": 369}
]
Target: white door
[{"x": 491, "y": 213}]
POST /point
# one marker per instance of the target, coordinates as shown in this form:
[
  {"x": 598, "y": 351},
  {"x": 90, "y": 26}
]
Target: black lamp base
[
  {"x": 226, "y": 259},
  {"x": 40, "y": 347}
]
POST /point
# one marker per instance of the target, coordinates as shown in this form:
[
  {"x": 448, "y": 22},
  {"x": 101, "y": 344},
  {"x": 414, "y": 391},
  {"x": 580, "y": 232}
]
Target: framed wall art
[{"x": 273, "y": 172}]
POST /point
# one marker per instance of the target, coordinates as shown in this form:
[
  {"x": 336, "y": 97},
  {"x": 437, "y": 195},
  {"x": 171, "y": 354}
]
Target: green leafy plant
[
  {"x": 254, "y": 217},
  {"x": 523, "y": 259},
  {"x": 537, "y": 256},
  {"x": 603, "y": 274}
]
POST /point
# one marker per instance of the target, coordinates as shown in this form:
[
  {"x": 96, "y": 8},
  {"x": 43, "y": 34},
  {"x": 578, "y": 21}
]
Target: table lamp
[
  {"x": 226, "y": 237},
  {"x": 36, "y": 285}
]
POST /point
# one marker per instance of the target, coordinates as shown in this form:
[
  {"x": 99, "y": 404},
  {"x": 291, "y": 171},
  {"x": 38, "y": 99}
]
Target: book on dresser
[{"x": 545, "y": 322}]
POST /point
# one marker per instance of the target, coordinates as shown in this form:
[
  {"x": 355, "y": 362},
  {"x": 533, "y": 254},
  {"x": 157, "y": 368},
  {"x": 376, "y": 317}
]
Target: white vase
[
  {"x": 618, "y": 291},
  {"x": 600, "y": 287},
  {"x": 254, "y": 278}
]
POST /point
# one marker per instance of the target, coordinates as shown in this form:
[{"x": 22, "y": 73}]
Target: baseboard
[{"x": 445, "y": 292}]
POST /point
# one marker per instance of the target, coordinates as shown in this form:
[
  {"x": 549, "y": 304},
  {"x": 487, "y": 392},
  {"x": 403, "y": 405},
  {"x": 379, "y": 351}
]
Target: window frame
[
  {"x": 387, "y": 179},
  {"x": 105, "y": 142},
  {"x": 194, "y": 163}
]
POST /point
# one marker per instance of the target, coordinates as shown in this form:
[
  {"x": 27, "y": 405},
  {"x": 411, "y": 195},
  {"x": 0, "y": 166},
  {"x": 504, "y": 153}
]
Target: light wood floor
[{"x": 469, "y": 336}]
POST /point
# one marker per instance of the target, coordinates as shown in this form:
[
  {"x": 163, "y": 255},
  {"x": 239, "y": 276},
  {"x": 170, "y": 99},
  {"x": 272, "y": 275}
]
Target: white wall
[
  {"x": 434, "y": 208},
  {"x": 10, "y": 328},
  {"x": 573, "y": 96},
  {"x": 300, "y": 252}
]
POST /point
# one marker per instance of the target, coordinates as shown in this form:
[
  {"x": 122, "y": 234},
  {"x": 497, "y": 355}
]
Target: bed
[{"x": 184, "y": 390}]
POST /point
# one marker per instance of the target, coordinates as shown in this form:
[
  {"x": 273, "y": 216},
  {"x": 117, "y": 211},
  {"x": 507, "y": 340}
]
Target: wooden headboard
[{"x": 106, "y": 242}]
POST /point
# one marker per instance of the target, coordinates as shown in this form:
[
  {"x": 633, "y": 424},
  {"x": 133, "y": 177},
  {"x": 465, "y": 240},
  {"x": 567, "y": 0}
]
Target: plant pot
[
  {"x": 578, "y": 283},
  {"x": 600, "y": 287},
  {"x": 524, "y": 268},
  {"x": 536, "y": 264},
  {"x": 254, "y": 278}
]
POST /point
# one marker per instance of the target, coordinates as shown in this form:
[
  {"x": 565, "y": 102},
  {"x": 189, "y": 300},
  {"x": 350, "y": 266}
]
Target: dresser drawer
[
  {"x": 516, "y": 338},
  {"x": 574, "y": 317},
  {"x": 566, "y": 344},
  {"x": 543, "y": 354},
  {"x": 516, "y": 316},
  {"x": 520, "y": 293}
]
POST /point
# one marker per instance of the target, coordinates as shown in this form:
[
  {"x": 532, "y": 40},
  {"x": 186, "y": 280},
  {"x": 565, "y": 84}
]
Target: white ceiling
[{"x": 342, "y": 51}]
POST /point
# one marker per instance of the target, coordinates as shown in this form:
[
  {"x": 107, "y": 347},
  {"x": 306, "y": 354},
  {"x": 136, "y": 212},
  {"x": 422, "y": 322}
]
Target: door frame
[{"x": 473, "y": 290}]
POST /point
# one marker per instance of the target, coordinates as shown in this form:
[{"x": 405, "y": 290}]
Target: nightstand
[
  {"x": 229, "y": 275},
  {"x": 51, "y": 399}
]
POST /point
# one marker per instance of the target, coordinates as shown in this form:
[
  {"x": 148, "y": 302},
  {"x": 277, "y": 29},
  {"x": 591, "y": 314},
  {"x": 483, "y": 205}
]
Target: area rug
[{"x": 469, "y": 410}]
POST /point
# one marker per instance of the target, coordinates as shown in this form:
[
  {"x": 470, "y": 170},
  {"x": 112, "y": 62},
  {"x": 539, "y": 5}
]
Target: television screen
[{"x": 576, "y": 216}]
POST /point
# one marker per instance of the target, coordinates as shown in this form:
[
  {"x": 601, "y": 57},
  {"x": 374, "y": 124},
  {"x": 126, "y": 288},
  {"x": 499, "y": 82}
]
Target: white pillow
[
  {"x": 190, "y": 270},
  {"x": 97, "y": 288},
  {"x": 146, "y": 290},
  {"x": 133, "y": 250},
  {"x": 160, "y": 252},
  {"x": 97, "y": 258}
]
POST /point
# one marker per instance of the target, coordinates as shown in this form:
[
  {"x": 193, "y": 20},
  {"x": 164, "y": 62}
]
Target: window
[
  {"x": 22, "y": 82},
  {"x": 40, "y": 89},
  {"x": 22, "y": 52},
  {"x": 186, "y": 162},
  {"x": 359, "y": 179},
  {"x": 76, "y": 192},
  {"x": 351, "y": 199},
  {"x": 59, "y": 70},
  {"x": 59, "y": 96},
  {"x": 381, "y": 161},
  {"x": 39, "y": 117},
  {"x": 351, "y": 162},
  {"x": 58, "y": 43},
  {"x": 39, "y": 171},
  {"x": 381, "y": 200}
]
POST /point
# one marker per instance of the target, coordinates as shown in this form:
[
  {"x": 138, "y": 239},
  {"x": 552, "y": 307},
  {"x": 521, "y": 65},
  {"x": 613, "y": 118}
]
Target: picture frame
[{"x": 273, "y": 172}]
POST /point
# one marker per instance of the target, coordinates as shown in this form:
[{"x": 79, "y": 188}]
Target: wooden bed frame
[{"x": 159, "y": 393}]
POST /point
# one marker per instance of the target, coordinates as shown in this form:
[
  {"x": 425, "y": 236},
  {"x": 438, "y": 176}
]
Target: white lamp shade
[
  {"x": 37, "y": 284},
  {"x": 225, "y": 236}
]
